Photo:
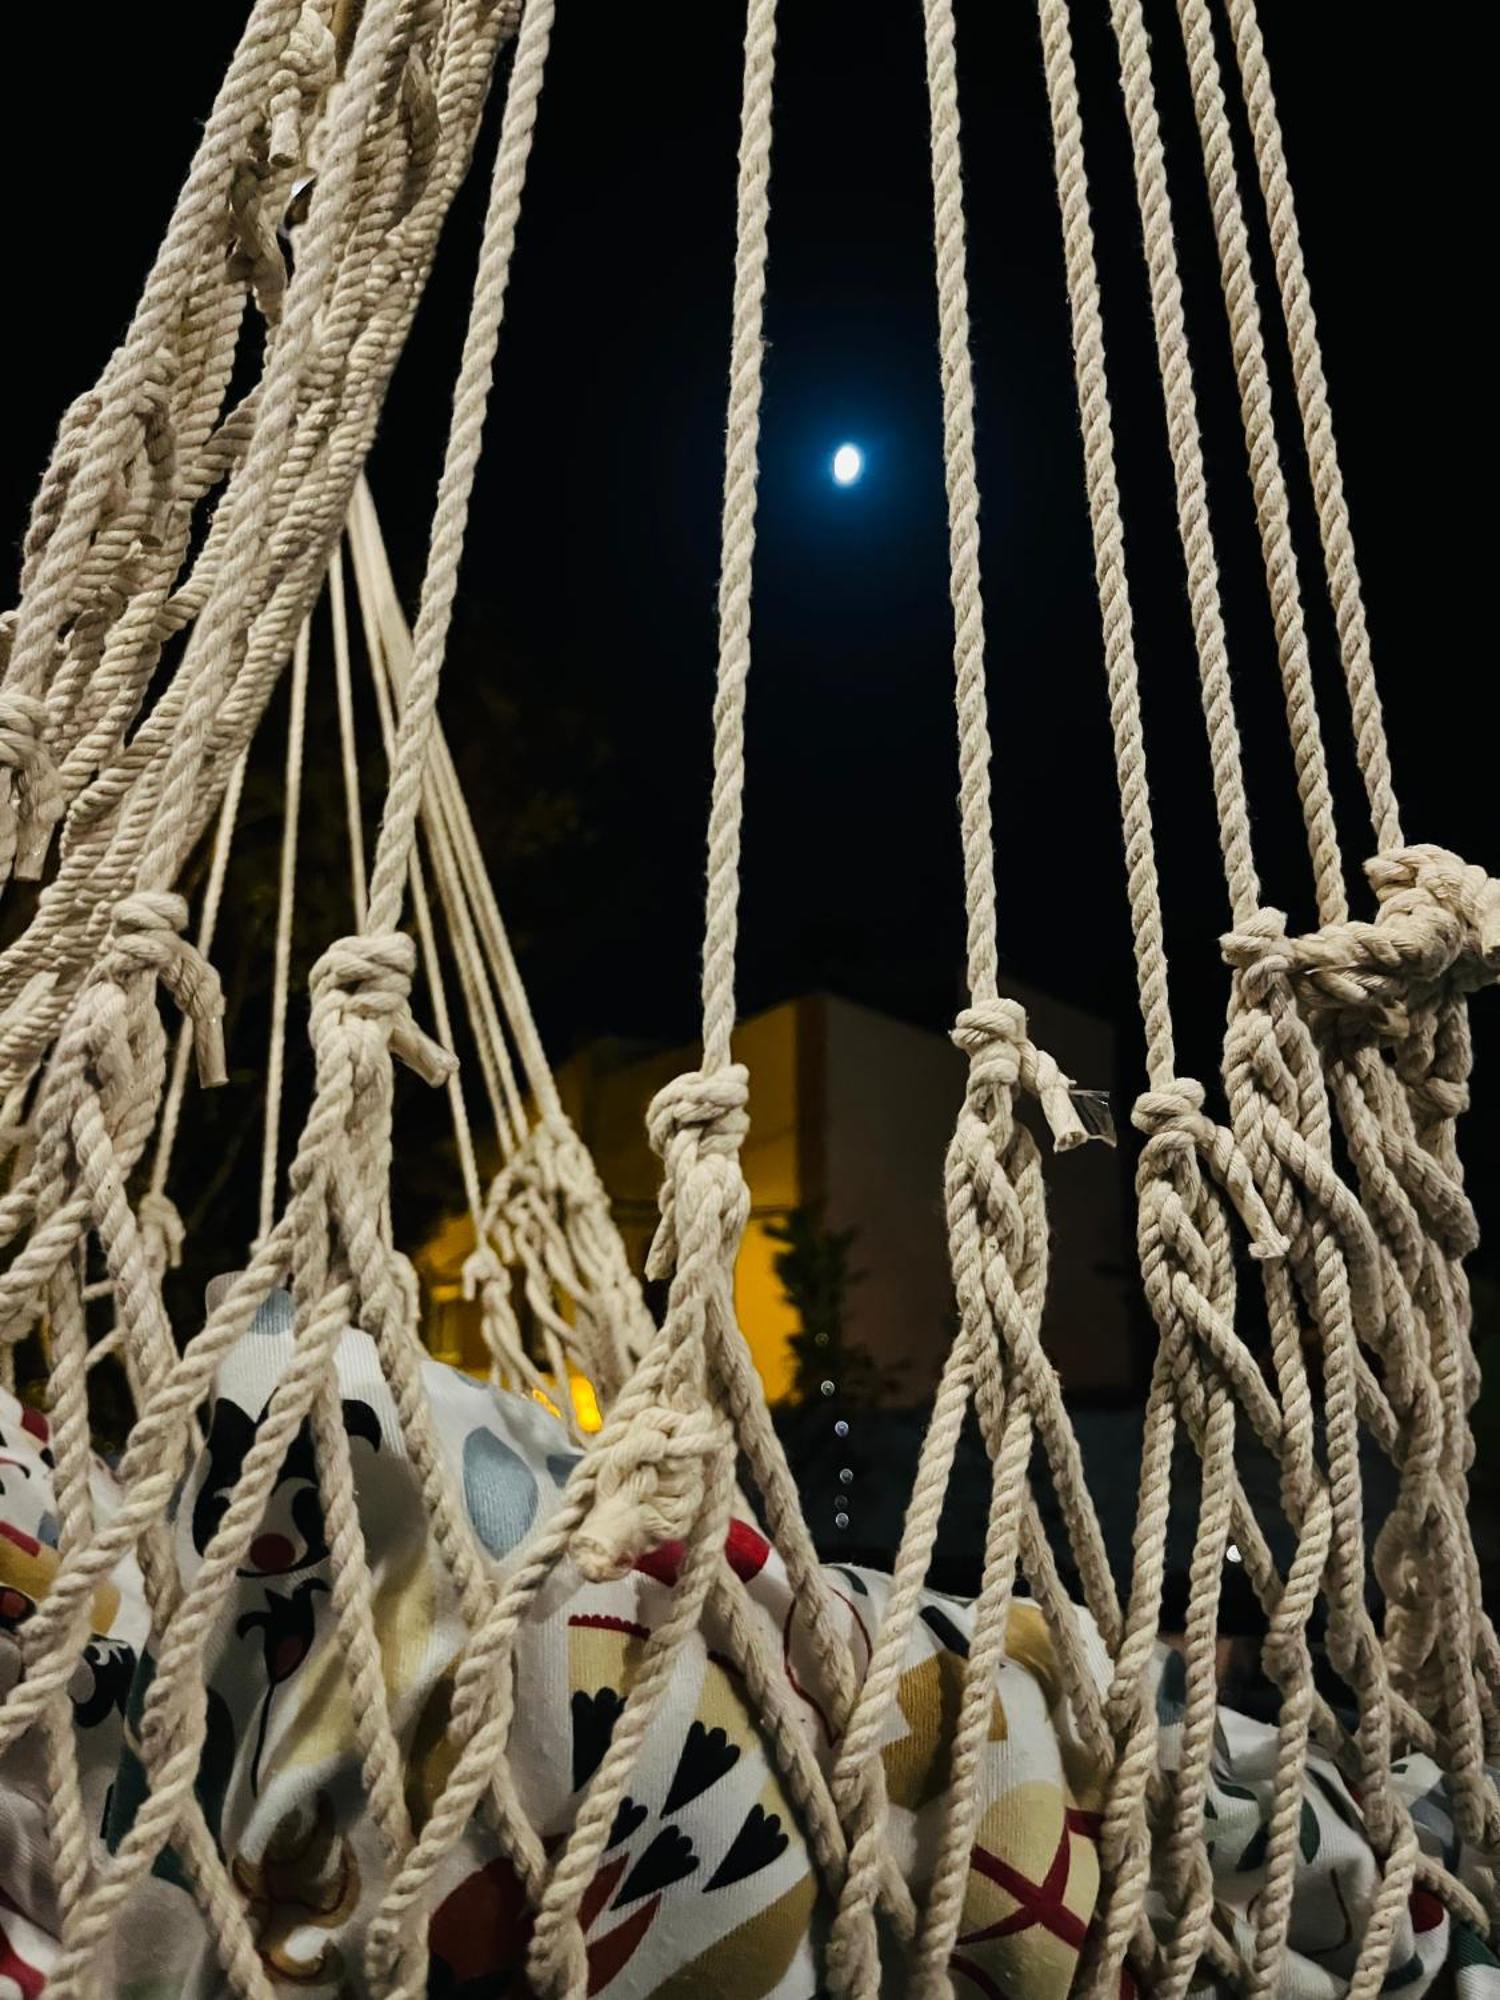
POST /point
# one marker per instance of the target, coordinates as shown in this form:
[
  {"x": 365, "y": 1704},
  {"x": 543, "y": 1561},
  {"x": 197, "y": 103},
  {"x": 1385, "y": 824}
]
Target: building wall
[
  {"x": 889, "y": 1097},
  {"x": 851, "y": 1110},
  {"x": 606, "y": 1093}
]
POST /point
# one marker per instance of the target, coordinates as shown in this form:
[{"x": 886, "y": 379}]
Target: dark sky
[{"x": 590, "y": 583}]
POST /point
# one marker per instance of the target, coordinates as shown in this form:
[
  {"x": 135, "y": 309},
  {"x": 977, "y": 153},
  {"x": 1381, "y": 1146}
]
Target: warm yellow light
[{"x": 585, "y": 1403}]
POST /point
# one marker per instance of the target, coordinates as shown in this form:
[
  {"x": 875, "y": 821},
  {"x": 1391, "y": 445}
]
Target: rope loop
[
  {"x": 1279, "y": 1108},
  {"x": 32, "y": 803},
  {"x": 145, "y": 936},
  {"x": 365, "y": 982}
]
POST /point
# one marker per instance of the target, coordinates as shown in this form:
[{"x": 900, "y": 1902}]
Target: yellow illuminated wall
[{"x": 605, "y": 1091}]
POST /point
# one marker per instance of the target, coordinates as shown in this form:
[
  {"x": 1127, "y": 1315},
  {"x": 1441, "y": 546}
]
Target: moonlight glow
[{"x": 848, "y": 464}]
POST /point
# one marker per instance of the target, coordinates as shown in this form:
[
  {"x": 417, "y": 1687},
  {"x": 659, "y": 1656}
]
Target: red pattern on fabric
[
  {"x": 1427, "y": 1912},
  {"x": 600, "y": 1621},
  {"x": 747, "y": 1553},
  {"x": 483, "y": 1928},
  {"x": 607, "y": 1955},
  {"x": 965, "y": 1968},
  {"x": 606, "y": 1881},
  {"x": 796, "y": 1686},
  {"x": 28, "y": 1981},
  {"x": 1039, "y": 1902}
]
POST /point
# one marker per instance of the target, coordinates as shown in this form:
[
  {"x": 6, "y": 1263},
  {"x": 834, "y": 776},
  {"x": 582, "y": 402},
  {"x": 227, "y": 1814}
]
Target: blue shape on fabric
[
  {"x": 560, "y": 1464},
  {"x": 500, "y": 1491},
  {"x": 275, "y": 1314}
]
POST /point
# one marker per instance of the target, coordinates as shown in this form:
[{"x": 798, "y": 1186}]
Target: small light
[
  {"x": 1233, "y": 1553},
  {"x": 848, "y": 464},
  {"x": 841, "y": 1429},
  {"x": 826, "y": 1387}
]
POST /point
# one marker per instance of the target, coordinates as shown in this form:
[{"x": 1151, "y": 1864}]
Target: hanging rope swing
[{"x": 178, "y": 549}]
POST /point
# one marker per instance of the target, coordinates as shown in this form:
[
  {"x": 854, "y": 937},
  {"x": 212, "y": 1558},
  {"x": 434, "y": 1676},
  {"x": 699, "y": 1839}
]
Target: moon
[{"x": 848, "y": 464}]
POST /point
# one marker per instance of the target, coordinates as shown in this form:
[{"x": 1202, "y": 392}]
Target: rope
[
  {"x": 1317, "y": 427},
  {"x": 1430, "y": 948},
  {"x": 281, "y": 969},
  {"x": 349, "y": 756}
]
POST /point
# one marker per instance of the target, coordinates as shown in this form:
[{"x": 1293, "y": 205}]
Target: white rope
[
  {"x": 348, "y": 752},
  {"x": 281, "y": 965}
]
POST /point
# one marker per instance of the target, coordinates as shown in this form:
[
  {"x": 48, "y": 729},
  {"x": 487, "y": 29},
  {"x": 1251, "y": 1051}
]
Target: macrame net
[{"x": 177, "y": 547}]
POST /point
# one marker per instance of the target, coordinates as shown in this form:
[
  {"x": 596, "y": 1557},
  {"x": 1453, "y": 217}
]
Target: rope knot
[
  {"x": 26, "y": 822},
  {"x": 162, "y": 1229},
  {"x": 704, "y": 1107},
  {"x": 1258, "y": 949},
  {"x": 146, "y": 937},
  {"x": 1171, "y": 1108},
  {"x": 994, "y": 1035},
  {"x": 650, "y": 1490},
  {"x": 696, "y": 1124},
  {"x": 367, "y": 979},
  {"x": 1437, "y": 931}
]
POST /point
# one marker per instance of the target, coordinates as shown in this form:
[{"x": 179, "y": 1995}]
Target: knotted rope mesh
[{"x": 1346, "y": 1062}]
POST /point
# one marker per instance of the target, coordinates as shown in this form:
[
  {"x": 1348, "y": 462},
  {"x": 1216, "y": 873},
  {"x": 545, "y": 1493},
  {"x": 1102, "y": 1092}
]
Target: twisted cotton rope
[
  {"x": 1317, "y": 426},
  {"x": 381, "y": 280},
  {"x": 547, "y": 1209},
  {"x": 1181, "y": 1228},
  {"x": 95, "y": 443},
  {"x": 511, "y": 1364},
  {"x": 391, "y": 275},
  {"x": 1319, "y": 1277},
  {"x": 89, "y": 1936},
  {"x": 651, "y": 1468},
  {"x": 1301, "y": 1489},
  {"x": 1411, "y": 951},
  {"x": 997, "y": 1227},
  {"x": 1425, "y": 1556},
  {"x": 281, "y": 964}
]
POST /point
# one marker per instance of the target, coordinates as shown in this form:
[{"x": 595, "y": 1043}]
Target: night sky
[{"x": 589, "y": 592}]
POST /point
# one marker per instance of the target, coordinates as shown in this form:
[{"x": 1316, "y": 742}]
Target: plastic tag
[{"x": 1095, "y": 1114}]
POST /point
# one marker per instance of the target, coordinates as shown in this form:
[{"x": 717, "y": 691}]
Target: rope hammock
[{"x": 177, "y": 547}]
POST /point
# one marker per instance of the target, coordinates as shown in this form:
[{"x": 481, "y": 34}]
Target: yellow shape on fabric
[
  {"x": 929, "y": 1694},
  {"x": 404, "y": 1611},
  {"x": 602, "y": 1656},
  {"x": 31, "y": 1571},
  {"x": 1028, "y": 1643},
  {"x": 751, "y": 1960}
]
